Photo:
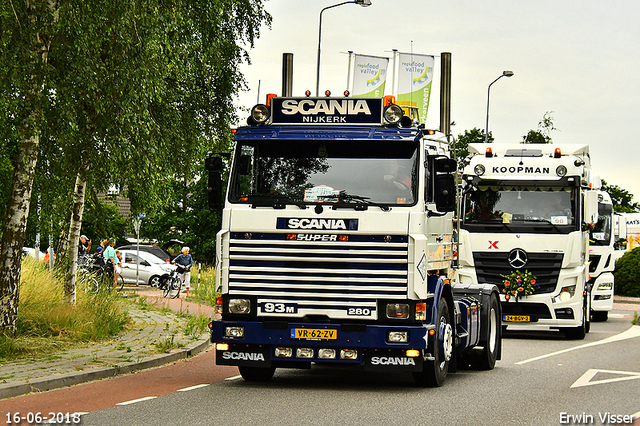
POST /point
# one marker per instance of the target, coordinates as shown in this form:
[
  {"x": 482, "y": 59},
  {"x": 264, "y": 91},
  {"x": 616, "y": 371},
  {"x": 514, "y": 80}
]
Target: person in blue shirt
[{"x": 184, "y": 259}]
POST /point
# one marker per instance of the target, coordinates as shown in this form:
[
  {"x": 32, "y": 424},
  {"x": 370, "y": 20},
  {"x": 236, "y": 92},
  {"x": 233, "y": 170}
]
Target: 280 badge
[{"x": 359, "y": 312}]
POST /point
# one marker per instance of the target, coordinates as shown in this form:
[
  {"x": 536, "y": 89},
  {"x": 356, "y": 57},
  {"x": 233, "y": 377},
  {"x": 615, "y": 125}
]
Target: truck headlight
[
  {"x": 398, "y": 310},
  {"x": 566, "y": 294},
  {"x": 239, "y": 306},
  {"x": 479, "y": 169},
  {"x": 260, "y": 113}
]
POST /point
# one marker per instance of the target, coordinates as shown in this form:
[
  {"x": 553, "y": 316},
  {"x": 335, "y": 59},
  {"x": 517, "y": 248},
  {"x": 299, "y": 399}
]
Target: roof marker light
[
  {"x": 327, "y": 93},
  {"x": 346, "y": 93},
  {"x": 307, "y": 93},
  {"x": 269, "y": 96},
  {"x": 389, "y": 100},
  {"x": 557, "y": 153},
  {"x": 489, "y": 152}
]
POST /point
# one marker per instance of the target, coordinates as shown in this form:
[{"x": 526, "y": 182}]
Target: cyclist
[{"x": 184, "y": 260}]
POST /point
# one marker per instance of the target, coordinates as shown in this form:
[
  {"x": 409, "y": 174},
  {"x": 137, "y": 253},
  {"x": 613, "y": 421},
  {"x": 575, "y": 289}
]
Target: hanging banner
[
  {"x": 415, "y": 75},
  {"x": 369, "y": 76}
]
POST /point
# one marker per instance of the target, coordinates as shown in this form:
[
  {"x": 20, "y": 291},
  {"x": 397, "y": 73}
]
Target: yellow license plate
[
  {"x": 314, "y": 333},
  {"x": 517, "y": 318}
]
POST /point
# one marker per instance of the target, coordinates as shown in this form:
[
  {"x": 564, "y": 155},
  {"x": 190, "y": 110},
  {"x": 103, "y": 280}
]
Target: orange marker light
[
  {"x": 489, "y": 152},
  {"x": 269, "y": 96}
]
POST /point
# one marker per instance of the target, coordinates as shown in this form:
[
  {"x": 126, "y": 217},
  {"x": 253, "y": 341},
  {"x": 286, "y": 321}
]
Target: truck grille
[
  {"x": 341, "y": 280},
  {"x": 490, "y": 267}
]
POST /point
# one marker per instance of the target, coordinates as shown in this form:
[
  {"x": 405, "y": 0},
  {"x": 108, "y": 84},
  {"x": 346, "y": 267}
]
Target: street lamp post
[
  {"x": 363, "y": 3},
  {"x": 504, "y": 74}
]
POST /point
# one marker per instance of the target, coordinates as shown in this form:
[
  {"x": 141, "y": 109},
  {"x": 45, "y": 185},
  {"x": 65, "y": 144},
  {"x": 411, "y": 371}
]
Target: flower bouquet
[{"x": 519, "y": 284}]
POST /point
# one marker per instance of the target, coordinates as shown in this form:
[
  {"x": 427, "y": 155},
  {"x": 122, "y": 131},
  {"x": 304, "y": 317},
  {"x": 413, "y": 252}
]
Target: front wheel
[
  {"x": 434, "y": 372},
  {"x": 257, "y": 374},
  {"x": 119, "y": 283},
  {"x": 175, "y": 285}
]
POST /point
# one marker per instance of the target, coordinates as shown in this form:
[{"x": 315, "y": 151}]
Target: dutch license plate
[
  {"x": 314, "y": 333},
  {"x": 517, "y": 318}
]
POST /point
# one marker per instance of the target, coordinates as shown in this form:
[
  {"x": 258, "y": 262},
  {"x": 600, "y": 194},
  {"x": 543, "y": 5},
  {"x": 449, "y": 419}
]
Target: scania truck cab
[
  {"x": 336, "y": 246},
  {"x": 525, "y": 220}
]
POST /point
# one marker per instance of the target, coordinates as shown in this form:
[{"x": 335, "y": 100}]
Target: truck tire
[
  {"x": 579, "y": 332},
  {"x": 490, "y": 342},
  {"x": 257, "y": 374},
  {"x": 599, "y": 316},
  {"x": 434, "y": 372}
]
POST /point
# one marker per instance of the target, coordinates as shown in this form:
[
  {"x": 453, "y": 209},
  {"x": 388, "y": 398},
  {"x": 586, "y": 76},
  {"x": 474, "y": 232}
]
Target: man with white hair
[{"x": 184, "y": 260}]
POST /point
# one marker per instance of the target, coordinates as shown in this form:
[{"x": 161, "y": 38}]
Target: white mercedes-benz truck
[{"x": 525, "y": 219}]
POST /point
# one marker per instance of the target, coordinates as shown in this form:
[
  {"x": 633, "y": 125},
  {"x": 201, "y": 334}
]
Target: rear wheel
[
  {"x": 257, "y": 374},
  {"x": 486, "y": 360},
  {"x": 166, "y": 286},
  {"x": 435, "y": 371}
]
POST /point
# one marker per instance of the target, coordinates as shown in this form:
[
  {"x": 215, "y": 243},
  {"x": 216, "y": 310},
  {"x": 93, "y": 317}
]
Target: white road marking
[
  {"x": 585, "y": 380},
  {"x": 632, "y": 332},
  {"x": 192, "y": 387},
  {"x": 228, "y": 379},
  {"x": 133, "y": 401}
]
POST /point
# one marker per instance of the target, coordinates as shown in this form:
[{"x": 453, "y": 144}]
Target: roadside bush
[
  {"x": 46, "y": 323},
  {"x": 203, "y": 284},
  {"x": 627, "y": 274}
]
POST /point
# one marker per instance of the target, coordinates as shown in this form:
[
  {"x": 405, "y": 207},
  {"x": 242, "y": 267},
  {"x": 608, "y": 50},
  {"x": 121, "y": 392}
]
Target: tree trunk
[
  {"x": 74, "y": 236},
  {"x": 14, "y": 232}
]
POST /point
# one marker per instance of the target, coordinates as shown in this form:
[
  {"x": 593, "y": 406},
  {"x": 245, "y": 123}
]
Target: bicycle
[
  {"x": 98, "y": 276},
  {"x": 171, "y": 283}
]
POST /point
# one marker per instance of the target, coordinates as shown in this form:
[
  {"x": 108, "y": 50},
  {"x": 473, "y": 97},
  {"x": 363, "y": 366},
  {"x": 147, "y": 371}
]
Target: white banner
[
  {"x": 415, "y": 74},
  {"x": 369, "y": 76}
]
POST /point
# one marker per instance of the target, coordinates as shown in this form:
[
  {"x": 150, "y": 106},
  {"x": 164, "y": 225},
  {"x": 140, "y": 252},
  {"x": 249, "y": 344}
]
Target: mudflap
[
  {"x": 244, "y": 356},
  {"x": 395, "y": 360}
]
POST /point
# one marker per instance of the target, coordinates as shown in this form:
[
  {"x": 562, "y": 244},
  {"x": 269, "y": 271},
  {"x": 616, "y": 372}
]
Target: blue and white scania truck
[{"x": 337, "y": 243}]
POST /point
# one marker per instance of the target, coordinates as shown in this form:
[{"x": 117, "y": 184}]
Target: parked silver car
[{"x": 151, "y": 267}]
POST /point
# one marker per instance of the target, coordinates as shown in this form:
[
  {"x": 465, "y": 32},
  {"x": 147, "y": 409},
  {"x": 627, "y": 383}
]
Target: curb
[{"x": 10, "y": 390}]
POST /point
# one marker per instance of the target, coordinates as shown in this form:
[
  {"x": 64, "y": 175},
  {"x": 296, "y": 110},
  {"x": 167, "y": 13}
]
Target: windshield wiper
[
  {"x": 277, "y": 201},
  {"x": 345, "y": 198}
]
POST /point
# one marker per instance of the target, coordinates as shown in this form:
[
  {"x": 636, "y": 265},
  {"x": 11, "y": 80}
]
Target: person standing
[
  {"x": 84, "y": 248},
  {"x": 110, "y": 258},
  {"x": 184, "y": 259}
]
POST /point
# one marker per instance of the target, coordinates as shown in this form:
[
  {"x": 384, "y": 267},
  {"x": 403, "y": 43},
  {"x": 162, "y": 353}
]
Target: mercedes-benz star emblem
[{"x": 517, "y": 258}]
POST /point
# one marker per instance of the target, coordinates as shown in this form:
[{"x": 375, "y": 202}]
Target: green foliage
[
  {"x": 474, "y": 135},
  {"x": 205, "y": 288},
  {"x": 627, "y": 274},
  {"x": 46, "y": 323},
  {"x": 543, "y": 134},
  {"x": 621, "y": 198}
]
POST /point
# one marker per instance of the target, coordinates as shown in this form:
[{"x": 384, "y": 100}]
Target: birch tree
[{"x": 131, "y": 84}]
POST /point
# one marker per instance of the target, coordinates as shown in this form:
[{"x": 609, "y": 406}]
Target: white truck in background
[
  {"x": 528, "y": 209},
  {"x": 603, "y": 255}
]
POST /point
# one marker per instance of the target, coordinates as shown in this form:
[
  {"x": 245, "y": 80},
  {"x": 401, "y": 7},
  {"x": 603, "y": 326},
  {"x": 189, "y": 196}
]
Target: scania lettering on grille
[
  {"x": 392, "y": 360},
  {"x": 243, "y": 356},
  {"x": 319, "y": 224}
]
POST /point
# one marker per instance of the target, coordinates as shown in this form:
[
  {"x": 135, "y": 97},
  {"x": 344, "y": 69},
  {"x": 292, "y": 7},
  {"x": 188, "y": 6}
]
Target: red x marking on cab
[{"x": 493, "y": 245}]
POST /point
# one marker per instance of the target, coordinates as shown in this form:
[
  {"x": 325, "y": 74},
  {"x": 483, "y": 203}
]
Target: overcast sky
[{"x": 579, "y": 59}]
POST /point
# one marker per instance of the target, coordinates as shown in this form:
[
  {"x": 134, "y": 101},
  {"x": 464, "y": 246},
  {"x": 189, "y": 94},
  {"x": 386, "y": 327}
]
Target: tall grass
[
  {"x": 203, "y": 284},
  {"x": 46, "y": 323}
]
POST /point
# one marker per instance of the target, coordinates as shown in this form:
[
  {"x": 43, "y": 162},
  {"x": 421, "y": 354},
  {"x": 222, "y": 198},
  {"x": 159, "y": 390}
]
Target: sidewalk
[{"x": 134, "y": 350}]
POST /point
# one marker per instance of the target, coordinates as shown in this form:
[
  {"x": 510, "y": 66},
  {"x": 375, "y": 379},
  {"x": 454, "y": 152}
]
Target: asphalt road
[{"x": 542, "y": 379}]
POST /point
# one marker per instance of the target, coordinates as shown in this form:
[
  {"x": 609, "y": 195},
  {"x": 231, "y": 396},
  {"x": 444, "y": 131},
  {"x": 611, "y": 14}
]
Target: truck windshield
[
  {"x": 600, "y": 235},
  {"x": 325, "y": 171},
  {"x": 521, "y": 207}
]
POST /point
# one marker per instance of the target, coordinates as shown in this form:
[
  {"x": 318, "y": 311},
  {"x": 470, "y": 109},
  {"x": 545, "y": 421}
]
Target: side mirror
[
  {"x": 445, "y": 165},
  {"x": 445, "y": 193},
  {"x": 214, "y": 166}
]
